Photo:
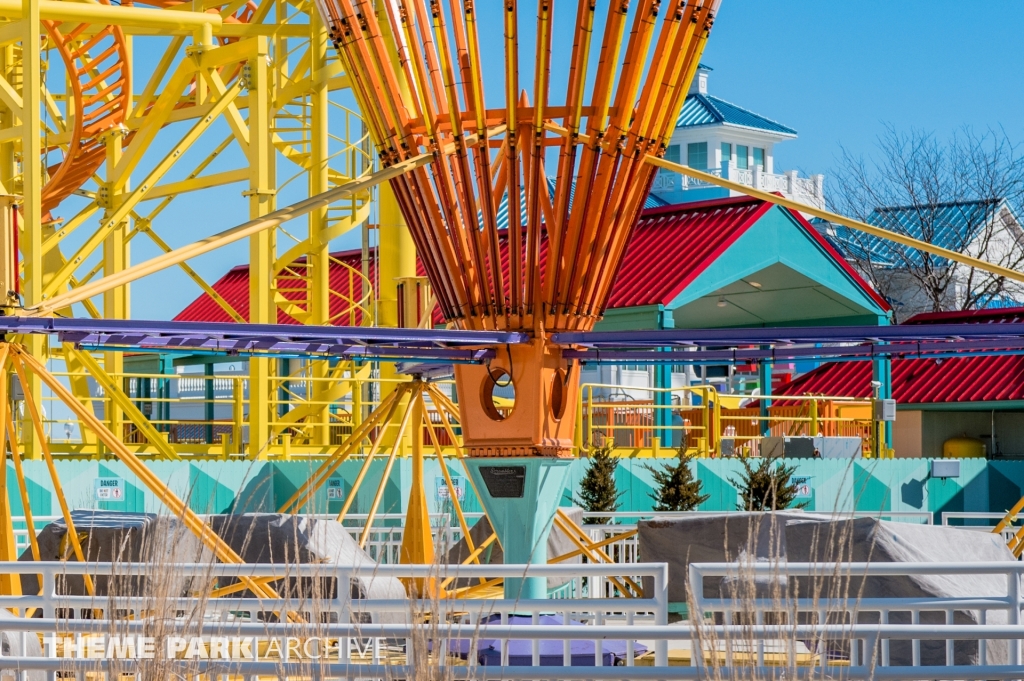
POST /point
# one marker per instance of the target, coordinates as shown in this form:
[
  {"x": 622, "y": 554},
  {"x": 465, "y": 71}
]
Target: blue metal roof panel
[
  {"x": 951, "y": 225},
  {"x": 701, "y": 109}
]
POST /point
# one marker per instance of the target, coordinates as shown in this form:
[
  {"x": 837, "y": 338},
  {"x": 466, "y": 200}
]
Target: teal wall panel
[{"x": 239, "y": 486}]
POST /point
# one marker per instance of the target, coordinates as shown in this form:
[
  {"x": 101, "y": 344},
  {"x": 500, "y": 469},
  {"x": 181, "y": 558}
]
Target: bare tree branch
[{"x": 962, "y": 193}]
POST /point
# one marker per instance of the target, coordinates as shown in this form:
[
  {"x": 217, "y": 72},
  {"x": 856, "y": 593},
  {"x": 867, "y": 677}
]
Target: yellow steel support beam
[
  {"x": 262, "y": 244},
  {"x": 301, "y": 496},
  {"x": 19, "y": 472},
  {"x": 144, "y": 227},
  {"x": 12, "y": 99},
  {"x": 166, "y": 496},
  {"x": 414, "y": 396},
  {"x": 120, "y": 400},
  {"x": 318, "y": 257},
  {"x": 417, "y": 538},
  {"x": 117, "y": 215},
  {"x": 269, "y": 221},
  {"x": 456, "y": 504},
  {"x": 32, "y": 188},
  {"x": 58, "y": 491},
  {"x": 10, "y": 585},
  {"x": 368, "y": 459},
  {"x": 109, "y": 15},
  {"x": 116, "y": 248},
  {"x": 195, "y": 184}
]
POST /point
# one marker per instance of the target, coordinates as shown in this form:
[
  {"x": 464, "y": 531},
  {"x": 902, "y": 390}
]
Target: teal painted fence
[{"x": 237, "y": 486}]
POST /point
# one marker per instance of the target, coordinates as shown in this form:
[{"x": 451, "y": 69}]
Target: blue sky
[{"x": 835, "y": 71}]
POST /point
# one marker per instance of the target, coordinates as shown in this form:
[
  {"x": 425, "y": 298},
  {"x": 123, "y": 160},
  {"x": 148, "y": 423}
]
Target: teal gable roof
[
  {"x": 801, "y": 280},
  {"x": 707, "y": 110}
]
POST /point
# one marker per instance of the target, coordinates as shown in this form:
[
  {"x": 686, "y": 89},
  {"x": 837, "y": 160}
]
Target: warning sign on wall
[
  {"x": 334, "y": 489},
  {"x": 109, "y": 489}
]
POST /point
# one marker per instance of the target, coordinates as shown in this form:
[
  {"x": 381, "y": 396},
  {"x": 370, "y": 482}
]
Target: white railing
[
  {"x": 1007, "y": 533},
  {"x": 365, "y": 631},
  {"x": 864, "y": 646},
  {"x": 668, "y": 181},
  {"x": 948, "y": 516},
  {"x": 771, "y": 182},
  {"x": 468, "y": 630},
  {"x": 805, "y": 190}
]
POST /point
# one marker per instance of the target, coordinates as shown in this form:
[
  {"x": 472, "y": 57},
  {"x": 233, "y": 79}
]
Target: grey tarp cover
[
  {"x": 115, "y": 537},
  {"x": 280, "y": 538},
  {"x": 257, "y": 538},
  {"x": 803, "y": 537},
  {"x": 558, "y": 545}
]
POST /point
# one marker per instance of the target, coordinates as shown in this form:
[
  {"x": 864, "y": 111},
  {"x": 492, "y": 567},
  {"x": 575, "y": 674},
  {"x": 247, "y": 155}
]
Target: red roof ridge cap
[{"x": 698, "y": 205}]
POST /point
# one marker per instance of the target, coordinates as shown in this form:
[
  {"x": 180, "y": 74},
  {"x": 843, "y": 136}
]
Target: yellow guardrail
[
  {"x": 207, "y": 414},
  {"x": 670, "y": 420},
  {"x": 316, "y": 407}
]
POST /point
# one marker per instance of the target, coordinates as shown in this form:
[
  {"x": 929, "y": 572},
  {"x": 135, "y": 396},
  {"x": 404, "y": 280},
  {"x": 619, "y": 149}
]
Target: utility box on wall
[
  {"x": 945, "y": 468},
  {"x": 884, "y": 410}
]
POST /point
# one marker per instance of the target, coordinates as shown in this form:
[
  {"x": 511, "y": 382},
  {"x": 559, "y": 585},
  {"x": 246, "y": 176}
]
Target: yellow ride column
[
  {"x": 396, "y": 255},
  {"x": 319, "y": 251},
  {"x": 262, "y": 246},
  {"x": 32, "y": 183},
  {"x": 116, "y": 304}
]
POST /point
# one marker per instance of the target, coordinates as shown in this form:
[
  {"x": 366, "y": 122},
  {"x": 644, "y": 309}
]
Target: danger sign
[{"x": 109, "y": 489}]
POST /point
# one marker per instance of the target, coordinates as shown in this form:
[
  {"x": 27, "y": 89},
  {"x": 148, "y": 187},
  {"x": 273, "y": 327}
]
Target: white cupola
[{"x": 699, "y": 84}]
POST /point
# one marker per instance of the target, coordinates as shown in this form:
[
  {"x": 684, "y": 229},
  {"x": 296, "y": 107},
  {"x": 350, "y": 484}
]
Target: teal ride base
[{"x": 521, "y": 496}]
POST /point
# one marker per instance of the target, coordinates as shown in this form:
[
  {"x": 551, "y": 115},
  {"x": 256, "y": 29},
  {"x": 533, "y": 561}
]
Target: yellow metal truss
[{"x": 104, "y": 124}]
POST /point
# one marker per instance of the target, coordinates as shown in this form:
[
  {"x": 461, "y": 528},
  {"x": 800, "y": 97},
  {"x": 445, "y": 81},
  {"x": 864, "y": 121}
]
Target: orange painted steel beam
[{"x": 416, "y": 71}]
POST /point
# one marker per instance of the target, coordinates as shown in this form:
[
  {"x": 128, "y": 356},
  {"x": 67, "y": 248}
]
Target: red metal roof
[
  {"x": 929, "y": 381},
  {"x": 999, "y": 315},
  {"x": 234, "y": 288},
  {"x": 672, "y": 246},
  {"x": 921, "y": 381},
  {"x": 668, "y": 249}
]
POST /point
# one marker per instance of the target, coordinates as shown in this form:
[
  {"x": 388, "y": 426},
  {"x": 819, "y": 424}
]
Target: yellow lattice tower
[{"x": 94, "y": 141}]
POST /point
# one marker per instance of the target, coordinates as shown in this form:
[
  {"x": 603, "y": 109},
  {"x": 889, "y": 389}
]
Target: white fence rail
[
  {"x": 758, "y": 591},
  {"x": 750, "y": 641},
  {"x": 982, "y": 522}
]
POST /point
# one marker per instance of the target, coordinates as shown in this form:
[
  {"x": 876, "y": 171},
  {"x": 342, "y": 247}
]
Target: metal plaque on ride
[
  {"x": 335, "y": 491},
  {"x": 109, "y": 489},
  {"x": 504, "y": 482},
  {"x": 444, "y": 494}
]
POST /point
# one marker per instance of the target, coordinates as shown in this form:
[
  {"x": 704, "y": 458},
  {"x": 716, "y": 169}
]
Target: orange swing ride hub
[{"x": 416, "y": 71}]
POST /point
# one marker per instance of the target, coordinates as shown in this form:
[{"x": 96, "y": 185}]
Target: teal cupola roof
[{"x": 700, "y": 108}]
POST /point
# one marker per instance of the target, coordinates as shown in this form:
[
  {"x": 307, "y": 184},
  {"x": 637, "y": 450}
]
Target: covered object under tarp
[
  {"x": 281, "y": 538},
  {"x": 116, "y": 537},
  {"x": 781, "y": 537},
  {"x": 160, "y": 540}
]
